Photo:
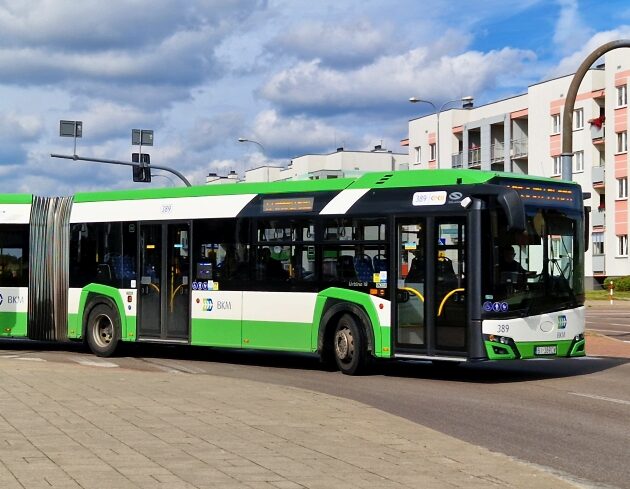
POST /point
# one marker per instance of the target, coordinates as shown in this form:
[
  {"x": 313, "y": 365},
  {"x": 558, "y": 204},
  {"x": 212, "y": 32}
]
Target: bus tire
[
  {"x": 103, "y": 330},
  {"x": 350, "y": 346}
]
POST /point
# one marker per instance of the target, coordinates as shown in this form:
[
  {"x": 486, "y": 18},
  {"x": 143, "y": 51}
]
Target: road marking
[
  {"x": 610, "y": 330},
  {"x": 93, "y": 363},
  {"x": 9, "y": 356},
  {"x": 31, "y": 359},
  {"x": 601, "y": 398}
]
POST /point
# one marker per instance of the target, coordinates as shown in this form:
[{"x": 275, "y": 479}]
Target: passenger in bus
[
  {"x": 416, "y": 270},
  {"x": 270, "y": 267}
]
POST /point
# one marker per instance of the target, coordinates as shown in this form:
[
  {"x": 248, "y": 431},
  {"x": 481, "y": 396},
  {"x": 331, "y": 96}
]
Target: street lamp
[
  {"x": 467, "y": 103},
  {"x": 244, "y": 140}
]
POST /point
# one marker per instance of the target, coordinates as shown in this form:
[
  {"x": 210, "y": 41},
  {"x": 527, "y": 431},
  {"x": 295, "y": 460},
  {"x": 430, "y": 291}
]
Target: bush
[{"x": 622, "y": 284}]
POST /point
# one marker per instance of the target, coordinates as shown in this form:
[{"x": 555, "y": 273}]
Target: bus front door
[
  {"x": 430, "y": 300},
  {"x": 164, "y": 289}
]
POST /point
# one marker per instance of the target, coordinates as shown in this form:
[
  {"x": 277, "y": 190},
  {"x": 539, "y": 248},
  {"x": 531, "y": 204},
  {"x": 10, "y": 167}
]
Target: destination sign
[
  {"x": 545, "y": 193},
  {"x": 296, "y": 204}
]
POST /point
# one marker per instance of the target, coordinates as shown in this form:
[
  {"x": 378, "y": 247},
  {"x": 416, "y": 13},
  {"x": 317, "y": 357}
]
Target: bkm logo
[
  {"x": 562, "y": 322},
  {"x": 207, "y": 305}
]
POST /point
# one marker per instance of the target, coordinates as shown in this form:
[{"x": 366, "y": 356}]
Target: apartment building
[
  {"x": 521, "y": 134},
  {"x": 331, "y": 165}
]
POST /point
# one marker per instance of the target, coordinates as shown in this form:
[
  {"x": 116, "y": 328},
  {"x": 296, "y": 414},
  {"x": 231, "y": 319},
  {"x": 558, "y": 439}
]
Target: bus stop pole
[{"x": 126, "y": 163}]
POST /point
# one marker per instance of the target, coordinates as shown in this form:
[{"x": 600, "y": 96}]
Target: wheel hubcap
[
  {"x": 103, "y": 330},
  {"x": 344, "y": 344}
]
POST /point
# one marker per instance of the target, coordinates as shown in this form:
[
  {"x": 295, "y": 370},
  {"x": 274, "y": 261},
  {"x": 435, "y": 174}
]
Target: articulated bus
[{"x": 442, "y": 265}]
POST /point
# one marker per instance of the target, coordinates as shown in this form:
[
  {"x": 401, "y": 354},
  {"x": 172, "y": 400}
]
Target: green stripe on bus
[
  {"x": 13, "y": 324},
  {"x": 430, "y": 178},
  {"x": 526, "y": 349},
  {"x": 336, "y": 184},
  {"x": 216, "y": 332},
  {"x": 382, "y": 334},
  {"x": 16, "y": 199}
]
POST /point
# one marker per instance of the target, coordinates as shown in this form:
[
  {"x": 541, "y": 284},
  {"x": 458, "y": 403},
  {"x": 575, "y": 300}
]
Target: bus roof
[{"x": 393, "y": 179}]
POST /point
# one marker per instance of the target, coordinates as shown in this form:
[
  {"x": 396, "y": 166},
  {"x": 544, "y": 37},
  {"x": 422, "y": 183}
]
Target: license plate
[{"x": 545, "y": 350}]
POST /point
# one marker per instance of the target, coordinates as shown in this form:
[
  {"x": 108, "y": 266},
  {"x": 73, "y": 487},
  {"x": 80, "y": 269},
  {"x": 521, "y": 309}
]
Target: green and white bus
[{"x": 397, "y": 265}]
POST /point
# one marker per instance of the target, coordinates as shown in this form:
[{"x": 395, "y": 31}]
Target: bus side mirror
[{"x": 511, "y": 203}]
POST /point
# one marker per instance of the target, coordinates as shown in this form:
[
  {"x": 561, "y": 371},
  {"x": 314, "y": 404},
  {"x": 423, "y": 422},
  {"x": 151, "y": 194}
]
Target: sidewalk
[
  {"x": 68, "y": 426},
  {"x": 604, "y": 346},
  {"x": 599, "y": 345}
]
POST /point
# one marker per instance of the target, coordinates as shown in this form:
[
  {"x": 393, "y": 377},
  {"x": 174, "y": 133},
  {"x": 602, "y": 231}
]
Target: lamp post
[
  {"x": 467, "y": 103},
  {"x": 244, "y": 140}
]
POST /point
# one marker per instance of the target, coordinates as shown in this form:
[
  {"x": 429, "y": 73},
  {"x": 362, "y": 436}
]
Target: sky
[{"x": 296, "y": 76}]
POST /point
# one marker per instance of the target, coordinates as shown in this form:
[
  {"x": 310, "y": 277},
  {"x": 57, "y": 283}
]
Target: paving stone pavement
[{"x": 73, "y": 426}]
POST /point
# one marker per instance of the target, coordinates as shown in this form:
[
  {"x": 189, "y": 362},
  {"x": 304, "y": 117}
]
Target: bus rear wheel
[
  {"x": 349, "y": 346},
  {"x": 103, "y": 330}
]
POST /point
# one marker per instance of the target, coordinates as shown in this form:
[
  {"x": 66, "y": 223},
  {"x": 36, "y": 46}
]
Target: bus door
[
  {"x": 430, "y": 313},
  {"x": 164, "y": 288}
]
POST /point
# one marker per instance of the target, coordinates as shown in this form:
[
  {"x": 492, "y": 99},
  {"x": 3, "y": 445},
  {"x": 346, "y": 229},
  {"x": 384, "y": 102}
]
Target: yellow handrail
[
  {"x": 414, "y": 292},
  {"x": 173, "y": 295},
  {"x": 454, "y": 291}
]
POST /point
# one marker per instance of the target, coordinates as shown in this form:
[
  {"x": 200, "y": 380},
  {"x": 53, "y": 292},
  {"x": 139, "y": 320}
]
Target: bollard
[{"x": 612, "y": 288}]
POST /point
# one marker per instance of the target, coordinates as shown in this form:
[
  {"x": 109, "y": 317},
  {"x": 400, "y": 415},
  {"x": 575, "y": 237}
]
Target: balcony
[
  {"x": 599, "y": 264},
  {"x": 456, "y": 160},
  {"x": 598, "y": 217},
  {"x": 598, "y": 176},
  {"x": 598, "y": 133},
  {"x": 497, "y": 152},
  {"x": 519, "y": 148},
  {"x": 474, "y": 157}
]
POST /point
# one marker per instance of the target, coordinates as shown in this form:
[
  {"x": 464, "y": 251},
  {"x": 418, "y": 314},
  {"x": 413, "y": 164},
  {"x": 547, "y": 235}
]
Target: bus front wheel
[
  {"x": 350, "y": 346},
  {"x": 103, "y": 330}
]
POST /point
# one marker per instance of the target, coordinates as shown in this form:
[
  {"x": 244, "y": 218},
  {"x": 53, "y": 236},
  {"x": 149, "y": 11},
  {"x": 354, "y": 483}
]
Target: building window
[
  {"x": 598, "y": 243},
  {"x": 555, "y": 124},
  {"x": 622, "y": 142},
  {"x": 418, "y": 152},
  {"x": 622, "y": 245},
  {"x": 432, "y": 151},
  {"x": 622, "y": 188},
  {"x": 622, "y": 95},
  {"x": 578, "y": 162},
  {"x": 578, "y": 119},
  {"x": 557, "y": 165}
]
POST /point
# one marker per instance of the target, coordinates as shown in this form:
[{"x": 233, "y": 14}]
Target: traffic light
[{"x": 141, "y": 173}]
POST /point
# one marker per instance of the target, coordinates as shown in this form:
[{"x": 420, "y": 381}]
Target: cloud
[
  {"x": 16, "y": 131},
  {"x": 570, "y": 29},
  {"x": 162, "y": 48},
  {"x": 336, "y": 45},
  {"x": 224, "y": 128},
  {"x": 291, "y": 136},
  {"x": 89, "y": 25},
  {"x": 386, "y": 84},
  {"x": 570, "y": 63}
]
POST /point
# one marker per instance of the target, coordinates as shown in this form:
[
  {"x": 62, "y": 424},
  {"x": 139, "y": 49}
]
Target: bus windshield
[{"x": 535, "y": 271}]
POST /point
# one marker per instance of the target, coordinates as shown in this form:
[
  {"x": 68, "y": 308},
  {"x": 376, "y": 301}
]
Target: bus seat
[
  {"x": 123, "y": 266},
  {"x": 380, "y": 263},
  {"x": 363, "y": 268}
]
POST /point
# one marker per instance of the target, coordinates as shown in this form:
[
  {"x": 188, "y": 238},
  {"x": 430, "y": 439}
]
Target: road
[
  {"x": 611, "y": 320},
  {"x": 572, "y": 416}
]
